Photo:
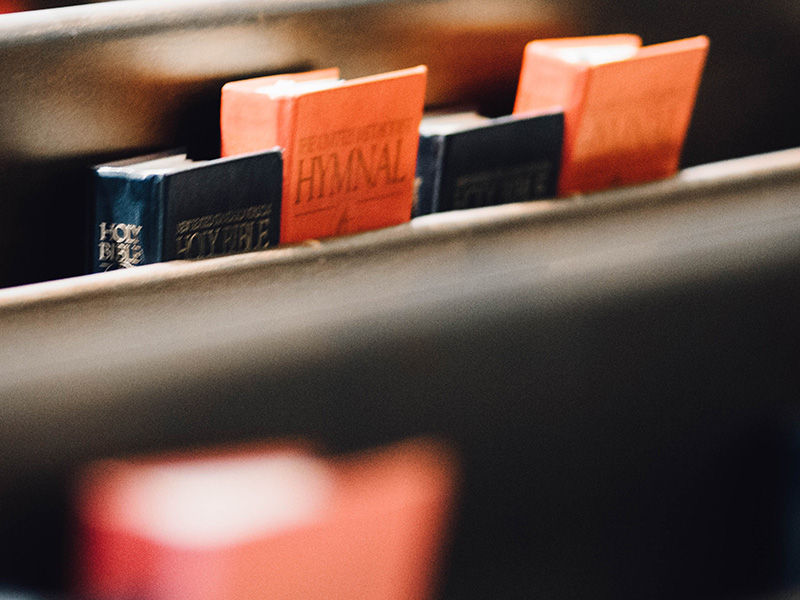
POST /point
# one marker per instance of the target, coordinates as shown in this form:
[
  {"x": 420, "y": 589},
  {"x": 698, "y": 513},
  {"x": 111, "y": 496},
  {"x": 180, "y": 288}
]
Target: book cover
[
  {"x": 350, "y": 147},
  {"x": 626, "y": 108},
  {"x": 167, "y": 207},
  {"x": 466, "y": 160},
  {"x": 266, "y": 522}
]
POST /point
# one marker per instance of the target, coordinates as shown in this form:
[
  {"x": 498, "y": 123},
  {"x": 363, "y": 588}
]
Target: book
[
  {"x": 265, "y": 521},
  {"x": 626, "y": 108},
  {"x": 350, "y": 147},
  {"x": 166, "y": 207},
  {"x": 466, "y": 160},
  {"x": 10, "y": 6}
]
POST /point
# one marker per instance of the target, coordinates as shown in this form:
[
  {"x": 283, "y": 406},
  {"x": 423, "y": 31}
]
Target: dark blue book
[
  {"x": 466, "y": 160},
  {"x": 167, "y": 207}
]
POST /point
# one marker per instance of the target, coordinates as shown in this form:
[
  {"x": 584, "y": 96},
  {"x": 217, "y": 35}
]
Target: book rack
[
  {"x": 617, "y": 371},
  {"x": 615, "y": 362}
]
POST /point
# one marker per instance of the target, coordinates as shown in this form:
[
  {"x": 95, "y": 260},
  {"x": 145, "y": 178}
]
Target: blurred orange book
[
  {"x": 9, "y": 6},
  {"x": 350, "y": 147},
  {"x": 626, "y": 107},
  {"x": 266, "y": 522}
]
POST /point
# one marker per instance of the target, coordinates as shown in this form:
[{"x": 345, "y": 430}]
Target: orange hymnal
[
  {"x": 268, "y": 522},
  {"x": 626, "y": 107},
  {"x": 350, "y": 147}
]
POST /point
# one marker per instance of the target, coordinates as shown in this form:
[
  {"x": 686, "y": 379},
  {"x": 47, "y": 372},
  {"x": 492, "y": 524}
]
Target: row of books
[{"x": 311, "y": 155}]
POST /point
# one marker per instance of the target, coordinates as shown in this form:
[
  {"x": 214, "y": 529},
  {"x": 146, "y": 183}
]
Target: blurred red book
[
  {"x": 349, "y": 147},
  {"x": 267, "y": 522},
  {"x": 9, "y": 6},
  {"x": 626, "y": 108}
]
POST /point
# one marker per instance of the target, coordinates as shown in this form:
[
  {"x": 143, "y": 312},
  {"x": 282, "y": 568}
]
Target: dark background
[{"x": 623, "y": 390}]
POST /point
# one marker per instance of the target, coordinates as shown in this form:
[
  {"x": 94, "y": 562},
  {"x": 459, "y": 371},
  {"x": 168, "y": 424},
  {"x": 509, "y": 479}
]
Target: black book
[
  {"x": 466, "y": 160},
  {"x": 167, "y": 207}
]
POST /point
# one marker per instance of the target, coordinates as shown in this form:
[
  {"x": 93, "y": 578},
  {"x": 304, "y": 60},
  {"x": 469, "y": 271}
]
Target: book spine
[
  {"x": 222, "y": 207},
  {"x": 508, "y": 160},
  {"x": 574, "y": 114},
  {"x": 249, "y": 122},
  {"x": 285, "y": 132},
  {"x": 428, "y": 175},
  {"x": 128, "y": 228}
]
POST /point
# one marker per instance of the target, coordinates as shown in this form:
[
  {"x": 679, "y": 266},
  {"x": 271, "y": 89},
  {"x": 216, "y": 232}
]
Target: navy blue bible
[
  {"x": 167, "y": 207},
  {"x": 466, "y": 160}
]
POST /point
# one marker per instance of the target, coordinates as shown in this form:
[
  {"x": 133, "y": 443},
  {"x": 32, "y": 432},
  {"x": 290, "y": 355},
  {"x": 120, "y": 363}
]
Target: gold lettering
[
  {"x": 105, "y": 231},
  {"x": 213, "y": 234},
  {"x": 123, "y": 253},
  {"x": 106, "y": 251},
  {"x": 136, "y": 257},
  {"x": 230, "y": 237},
  {"x": 263, "y": 233},
  {"x": 181, "y": 247},
  {"x": 245, "y": 237}
]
